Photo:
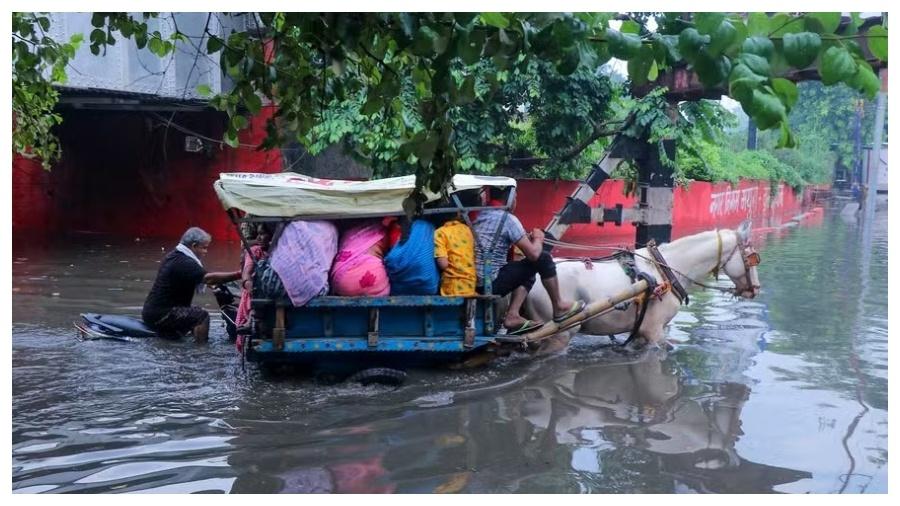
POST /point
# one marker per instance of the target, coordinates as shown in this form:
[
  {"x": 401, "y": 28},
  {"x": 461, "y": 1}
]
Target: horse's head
[{"x": 740, "y": 263}]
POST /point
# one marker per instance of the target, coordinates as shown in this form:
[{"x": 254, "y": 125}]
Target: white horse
[{"x": 691, "y": 258}]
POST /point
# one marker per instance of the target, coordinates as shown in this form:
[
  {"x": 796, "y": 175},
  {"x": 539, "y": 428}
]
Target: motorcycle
[{"x": 127, "y": 328}]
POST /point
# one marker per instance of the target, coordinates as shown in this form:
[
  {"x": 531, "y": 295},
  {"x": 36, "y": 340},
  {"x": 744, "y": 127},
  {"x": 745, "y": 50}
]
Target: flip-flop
[
  {"x": 577, "y": 307},
  {"x": 527, "y": 326}
]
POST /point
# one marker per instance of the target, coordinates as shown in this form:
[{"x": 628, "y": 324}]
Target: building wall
[{"x": 127, "y": 174}]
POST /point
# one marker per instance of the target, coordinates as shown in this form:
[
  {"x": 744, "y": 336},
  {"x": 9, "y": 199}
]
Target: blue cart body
[{"x": 348, "y": 333}]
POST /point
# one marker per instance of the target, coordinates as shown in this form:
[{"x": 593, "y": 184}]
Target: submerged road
[{"x": 787, "y": 392}]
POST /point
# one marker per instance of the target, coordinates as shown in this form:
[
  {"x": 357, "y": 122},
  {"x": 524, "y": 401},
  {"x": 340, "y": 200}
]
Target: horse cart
[{"x": 351, "y": 335}]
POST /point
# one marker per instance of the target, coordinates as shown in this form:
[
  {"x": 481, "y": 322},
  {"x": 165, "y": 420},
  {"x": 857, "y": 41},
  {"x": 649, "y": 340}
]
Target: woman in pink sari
[
  {"x": 359, "y": 265},
  {"x": 258, "y": 251}
]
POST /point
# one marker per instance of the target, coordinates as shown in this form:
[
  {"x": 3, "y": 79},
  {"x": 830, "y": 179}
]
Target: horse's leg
[
  {"x": 653, "y": 328},
  {"x": 556, "y": 343}
]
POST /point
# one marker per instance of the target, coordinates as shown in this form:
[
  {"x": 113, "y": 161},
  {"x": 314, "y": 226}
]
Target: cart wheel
[{"x": 380, "y": 375}]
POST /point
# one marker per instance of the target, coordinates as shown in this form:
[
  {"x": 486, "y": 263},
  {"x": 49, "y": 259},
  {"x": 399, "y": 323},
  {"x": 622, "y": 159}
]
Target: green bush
[{"x": 706, "y": 161}]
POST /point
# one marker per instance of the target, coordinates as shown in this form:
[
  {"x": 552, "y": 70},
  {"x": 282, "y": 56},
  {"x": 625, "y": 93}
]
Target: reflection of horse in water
[{"x": 644, "y": 405}]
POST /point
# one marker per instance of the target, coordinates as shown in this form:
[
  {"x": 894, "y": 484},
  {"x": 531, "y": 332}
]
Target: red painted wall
[
  {"x": 701, "y": 206},
  {"x": 126, "y": 174}
]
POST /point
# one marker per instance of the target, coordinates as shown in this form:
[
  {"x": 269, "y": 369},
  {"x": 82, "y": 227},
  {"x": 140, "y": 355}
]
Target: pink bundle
[{"x": 357, "y": 271}]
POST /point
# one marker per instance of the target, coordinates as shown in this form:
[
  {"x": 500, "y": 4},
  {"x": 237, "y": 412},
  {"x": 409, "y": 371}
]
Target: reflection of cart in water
[{"x": 612, "y": 427}]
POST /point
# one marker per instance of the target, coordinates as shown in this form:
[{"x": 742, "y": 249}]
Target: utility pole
[
  {"x": 873, "y": 167},
  {"x": 856, "y": 176},
  {"x": 751, "y": 134}
]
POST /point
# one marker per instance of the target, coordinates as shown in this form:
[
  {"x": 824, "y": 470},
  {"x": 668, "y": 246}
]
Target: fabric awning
[{"x": 288, "y": 194}]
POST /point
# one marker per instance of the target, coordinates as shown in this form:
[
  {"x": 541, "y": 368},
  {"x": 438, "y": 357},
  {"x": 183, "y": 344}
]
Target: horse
[{"x": 690, "y": 259}]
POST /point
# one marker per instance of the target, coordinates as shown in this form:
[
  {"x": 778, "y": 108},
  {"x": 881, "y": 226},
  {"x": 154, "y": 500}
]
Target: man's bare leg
[
  {"x": 513, "y": 319},
  {"x": 559, "y": 306},
  {"x": 201, "y": 331}
]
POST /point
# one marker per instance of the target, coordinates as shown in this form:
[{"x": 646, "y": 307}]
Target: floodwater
[{"x": 785, "y": 393}]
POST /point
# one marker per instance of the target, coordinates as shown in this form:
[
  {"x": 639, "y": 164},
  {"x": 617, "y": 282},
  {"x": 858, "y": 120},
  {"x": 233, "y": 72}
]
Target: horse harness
[
  {"x": 654, "y": 288},
  {"x": 749, "y": 256}
]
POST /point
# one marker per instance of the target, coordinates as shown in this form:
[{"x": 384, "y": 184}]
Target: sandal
[
  {"x": 577, "y": 307},
  {"x": 527, "y": 326}
]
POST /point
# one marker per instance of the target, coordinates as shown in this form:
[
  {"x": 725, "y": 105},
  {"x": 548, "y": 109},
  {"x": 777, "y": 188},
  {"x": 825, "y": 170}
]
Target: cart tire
[{"x": 380, "y": 375}]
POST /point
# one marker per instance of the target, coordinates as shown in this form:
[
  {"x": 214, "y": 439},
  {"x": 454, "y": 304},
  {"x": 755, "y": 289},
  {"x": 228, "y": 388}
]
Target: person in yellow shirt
[{"x": 454, "y": 252}]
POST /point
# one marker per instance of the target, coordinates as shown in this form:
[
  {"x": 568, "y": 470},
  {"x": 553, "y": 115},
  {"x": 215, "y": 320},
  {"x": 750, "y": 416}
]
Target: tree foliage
[
  {"x": 39, "y": 63},
  {"x": 420, "y": 80}
]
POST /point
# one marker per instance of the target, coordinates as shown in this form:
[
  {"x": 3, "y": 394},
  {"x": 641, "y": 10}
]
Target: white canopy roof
[{"x": 288, "y": 194}]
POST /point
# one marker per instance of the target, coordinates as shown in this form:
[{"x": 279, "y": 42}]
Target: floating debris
[{"x": 55, "y": 294}]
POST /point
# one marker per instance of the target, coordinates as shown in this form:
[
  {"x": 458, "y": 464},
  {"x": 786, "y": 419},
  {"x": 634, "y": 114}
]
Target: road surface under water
[{"x": 784, "y": 393}]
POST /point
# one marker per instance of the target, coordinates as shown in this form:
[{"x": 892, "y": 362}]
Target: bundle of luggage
[{"x": 430, "y": 255}]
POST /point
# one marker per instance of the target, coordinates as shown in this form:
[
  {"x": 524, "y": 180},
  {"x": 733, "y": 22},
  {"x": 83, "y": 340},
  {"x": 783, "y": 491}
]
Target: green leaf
[
  {"x": 739, "y": 37},
  {"x": 783, "y": 23},
  {"x": 156, "y": 47},
  {"x": 721, "y": 38},
  {"x": 465, "y": 93},
  {"x": 760, "y": 46},
  {"x": 127, "y": 29},
  {"x": 835, "y": 65},
  {"x": 373, "y": 104},
  {"x": 469, "y": 46},
  {"x": 214, "y": 45},
  {"x": 238, "y": 122},
  {"x": 801, "y": 49},
  {"x": 569, "y": 62},
  {"x": 639, "y": 66},
  {"x": 829, "y": 20},
  {"x": 623, "y": 45},
  {"x": 787, "y": 139},
  {"x": 253, "y": 103},
  {"x": 866, "y": 81},
  {"x": 653, "y": 73},
  {"x": 758, "y": 24},
  {"x": 464, "y": 18},
  {"x": 757, "y": 64},
  {"x": 204, "y": 90},
  {"x": 630, "y": 26},
  {"x": 423, "y": 42},
  {"x": 708, "y": 22},
  {"x": 741, "y": 89},
  {"x": 98, "y": 19},
  {"x": 98, "y": 36},
  {"x": 711, "y": 70},
  {"x": 786, "y": 90},
  {"x": 76, "y": 39},
  {"x": 766, "y": 109},
  {"x": 877, "y": 38},
  {"x": 690, "y": 42},
  {"x": 231, "y": 138},
  {"x": 424, "y": 150},
  {"x": 495, "y": 19},
  {"x": 666, "y": 48}
]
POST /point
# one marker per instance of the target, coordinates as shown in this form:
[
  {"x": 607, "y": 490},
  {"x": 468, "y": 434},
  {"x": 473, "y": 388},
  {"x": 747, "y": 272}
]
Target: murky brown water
[{"x": 784, "y": 393}]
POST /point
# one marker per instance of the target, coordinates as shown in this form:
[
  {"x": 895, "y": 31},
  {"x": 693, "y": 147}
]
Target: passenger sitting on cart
[
  {"x": 168, "y": 308},
  {"x": 454, "y": 252},
  {"x": 358, "y": 268},
  {"x": 258, "y": 250},
  {"x": 497, "y": 230}
]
